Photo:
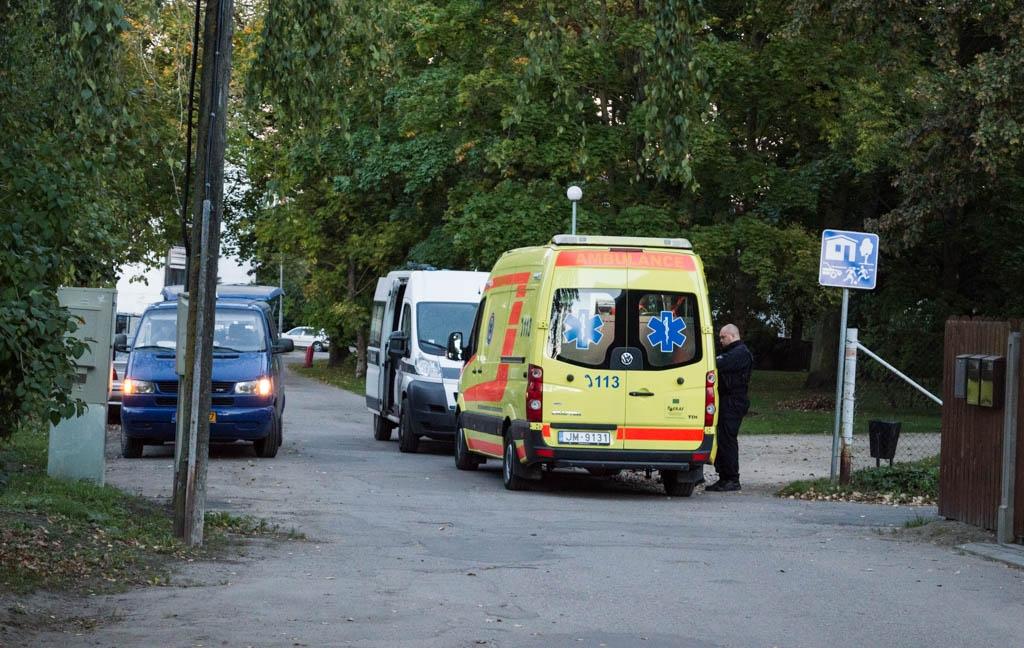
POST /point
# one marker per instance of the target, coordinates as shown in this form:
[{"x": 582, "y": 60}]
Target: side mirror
[
  {"x": 455, "y": 346},
  {"x": 121, "y": 343},
  {"x": 398, "y": 344},
  {"x": 284, "y": 345}
]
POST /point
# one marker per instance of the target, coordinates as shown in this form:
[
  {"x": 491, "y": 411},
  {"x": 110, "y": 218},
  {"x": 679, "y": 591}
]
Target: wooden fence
[{"x": 972, "y": 436}]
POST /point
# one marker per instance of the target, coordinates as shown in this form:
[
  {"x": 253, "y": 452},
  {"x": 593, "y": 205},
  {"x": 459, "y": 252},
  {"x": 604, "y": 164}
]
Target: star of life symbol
[
  {"x": 584, "y": 330},
  {"x": 666, "y": 331}
]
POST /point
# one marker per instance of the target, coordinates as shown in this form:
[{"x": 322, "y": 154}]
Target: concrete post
[
  {"x": 1004, "y": 520},
  {"x": 849, "y": 401}
]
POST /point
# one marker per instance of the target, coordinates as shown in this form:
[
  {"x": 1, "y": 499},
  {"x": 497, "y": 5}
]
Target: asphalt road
[{"x": 404, "y": 550}]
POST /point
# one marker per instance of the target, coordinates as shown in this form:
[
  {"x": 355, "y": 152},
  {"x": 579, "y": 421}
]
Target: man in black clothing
[{"x": 734, "y": 365}]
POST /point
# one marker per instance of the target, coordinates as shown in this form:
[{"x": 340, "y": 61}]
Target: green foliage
[
  {"x": 446, "y": 132},
  {"x": 88, "y": 156},
  {"x": 909, "y": 482}
]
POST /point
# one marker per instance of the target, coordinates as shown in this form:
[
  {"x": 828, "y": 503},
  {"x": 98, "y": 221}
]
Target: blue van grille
[{"x": 171, "y": 387}]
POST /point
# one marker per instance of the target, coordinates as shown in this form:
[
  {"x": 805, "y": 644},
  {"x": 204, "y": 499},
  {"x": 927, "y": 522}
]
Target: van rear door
[
  {"x": 584, "y": 392},
  {"x": 665, "y": 390},
  {"x": 374, "y": 346}
]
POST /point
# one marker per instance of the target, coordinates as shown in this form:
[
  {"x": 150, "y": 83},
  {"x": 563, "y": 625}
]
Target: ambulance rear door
[
  {"x": 665, "y": 383},
  {"x": 584, "y": 385}
]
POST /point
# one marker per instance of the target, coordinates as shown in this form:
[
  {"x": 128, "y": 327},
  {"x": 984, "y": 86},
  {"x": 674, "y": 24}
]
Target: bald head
[{"x": 728, "y": 334}]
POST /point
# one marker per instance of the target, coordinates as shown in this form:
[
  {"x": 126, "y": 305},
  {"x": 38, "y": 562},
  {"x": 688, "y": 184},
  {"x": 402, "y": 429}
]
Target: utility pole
[{"x": 208, "y": 203}]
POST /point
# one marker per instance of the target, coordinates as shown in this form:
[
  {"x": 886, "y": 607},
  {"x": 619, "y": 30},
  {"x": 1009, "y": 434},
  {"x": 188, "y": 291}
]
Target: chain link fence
[{"x": 881, "y": 395}]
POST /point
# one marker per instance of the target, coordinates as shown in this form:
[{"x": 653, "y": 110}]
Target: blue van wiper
[{"x": 153, "y": 346}]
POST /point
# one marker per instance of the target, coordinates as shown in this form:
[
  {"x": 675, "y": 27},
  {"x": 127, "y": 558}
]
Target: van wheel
[
  {"x": 464, "y": 459},
  {"x": 131, "y": 448},
  {"x": 280, "y": 430},
  {"x": 675, "y": 487},
  {"x": 407, "y": 440},
  {"x": 266, "y": 448},
  {"x": 317, "y": 347},
  {"x": 510, "y": 469},
  {"x": 381, "y": 428}
]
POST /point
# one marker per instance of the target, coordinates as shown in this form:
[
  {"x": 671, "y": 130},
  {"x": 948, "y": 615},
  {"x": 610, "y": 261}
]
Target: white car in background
[{"x": 307, "y": 336}]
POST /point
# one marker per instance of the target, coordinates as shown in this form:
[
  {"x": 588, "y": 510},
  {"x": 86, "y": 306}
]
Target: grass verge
[
  {"x": 915, "y": 482},
  {"x": 343, "y": 375},
  {"x": 780, "y": 404},
  {"x": 83, "y": 538}
]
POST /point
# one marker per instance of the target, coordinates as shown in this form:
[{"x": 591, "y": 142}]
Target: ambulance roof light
[{"x": 622, "y": 241}]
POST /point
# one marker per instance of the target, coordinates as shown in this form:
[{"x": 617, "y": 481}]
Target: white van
[{"x": 409, "y": 380}]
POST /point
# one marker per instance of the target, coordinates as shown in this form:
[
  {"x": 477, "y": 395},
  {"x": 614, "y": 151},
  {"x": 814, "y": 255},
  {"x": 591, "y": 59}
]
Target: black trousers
[{"x": 727, "y": 462}]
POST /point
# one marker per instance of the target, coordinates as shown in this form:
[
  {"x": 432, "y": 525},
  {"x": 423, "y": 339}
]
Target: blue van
[{"x": 247, "y": 388}]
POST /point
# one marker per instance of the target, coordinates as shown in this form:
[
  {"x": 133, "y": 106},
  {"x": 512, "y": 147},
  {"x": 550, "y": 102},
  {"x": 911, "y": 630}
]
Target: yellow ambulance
[{"x": 590, "y": 352}]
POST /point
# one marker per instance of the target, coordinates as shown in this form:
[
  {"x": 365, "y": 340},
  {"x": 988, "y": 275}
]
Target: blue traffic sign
[{"x": 848, "y": 259}]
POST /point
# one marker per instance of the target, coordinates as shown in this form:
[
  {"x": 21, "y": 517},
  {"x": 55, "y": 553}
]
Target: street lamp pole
[{"x": 574, "y": 194}]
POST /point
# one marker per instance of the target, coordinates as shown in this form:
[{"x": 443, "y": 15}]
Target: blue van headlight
[
  {"x": 132, "y": 386},
  {"x": 258, "y": 387}
]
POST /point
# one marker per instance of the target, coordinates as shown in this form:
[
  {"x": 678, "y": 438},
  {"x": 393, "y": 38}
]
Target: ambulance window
[
  {"x": 474, "y": 335},
  {"x": 583, "y": 325},
  {"x": 667, "y": 328}
]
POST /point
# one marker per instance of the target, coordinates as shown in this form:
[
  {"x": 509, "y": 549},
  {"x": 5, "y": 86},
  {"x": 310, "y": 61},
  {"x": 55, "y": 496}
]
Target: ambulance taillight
[
  {"x": 709, "y": 399},
  {"x": 534, "y": 394}
]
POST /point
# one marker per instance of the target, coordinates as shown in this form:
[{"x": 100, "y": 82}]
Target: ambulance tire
[
  {"x": 510, "y": 467},
  {"x": 674, "y": 487},
  {"x": 381, "y": 428},
  {"x": 407, "y": 439},
  {"x": 464, "y": 459}
]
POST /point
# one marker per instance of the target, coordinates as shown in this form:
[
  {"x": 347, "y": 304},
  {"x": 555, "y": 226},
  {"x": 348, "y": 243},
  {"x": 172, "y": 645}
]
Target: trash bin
[{"x": 883, "y": 437}]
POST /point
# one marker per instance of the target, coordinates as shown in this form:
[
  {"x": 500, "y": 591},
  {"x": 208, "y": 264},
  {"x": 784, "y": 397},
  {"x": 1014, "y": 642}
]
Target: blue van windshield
[{"x": 234, "y": 329}]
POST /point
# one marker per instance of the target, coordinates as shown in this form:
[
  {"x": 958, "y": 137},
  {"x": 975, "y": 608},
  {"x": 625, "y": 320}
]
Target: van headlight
[
  {"x": 259, "y": 387},
  {"x": 132, "y": 386},
  {"x": 428, "y": 368}
]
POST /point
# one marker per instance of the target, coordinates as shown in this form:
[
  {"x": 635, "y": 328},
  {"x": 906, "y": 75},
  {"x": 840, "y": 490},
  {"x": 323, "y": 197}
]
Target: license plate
[
  {"x": 575, "y": 437},
  {"x": 213, "y": 417}
]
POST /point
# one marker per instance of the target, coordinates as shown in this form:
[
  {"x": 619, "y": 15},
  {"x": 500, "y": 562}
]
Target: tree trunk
[
  {"x": 337, "y": 352},
  {"x": 824, "y": 352},
  {"x": 360, "y": 353}
]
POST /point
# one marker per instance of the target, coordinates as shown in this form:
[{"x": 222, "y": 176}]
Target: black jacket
[{"x": 734, "y": 365}]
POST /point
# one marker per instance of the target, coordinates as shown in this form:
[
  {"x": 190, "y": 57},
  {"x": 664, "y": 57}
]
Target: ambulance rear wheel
[
  {"x": 509, "y": 467},
  {"x": 674, "y": 487},
  {"x": 464, "y": 459},
  {"x": 381, "y": 428},
  {"x": 407, "y": 439}
]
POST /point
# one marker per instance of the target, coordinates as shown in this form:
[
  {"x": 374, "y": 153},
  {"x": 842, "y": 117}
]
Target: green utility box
[{"x": 77, "y": 444}]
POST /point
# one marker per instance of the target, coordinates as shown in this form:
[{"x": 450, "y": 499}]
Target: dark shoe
[{"x": 724, "y": 486}]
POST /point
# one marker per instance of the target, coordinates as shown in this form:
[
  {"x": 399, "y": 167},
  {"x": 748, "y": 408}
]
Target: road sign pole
[{"x": 833, "y": 474}]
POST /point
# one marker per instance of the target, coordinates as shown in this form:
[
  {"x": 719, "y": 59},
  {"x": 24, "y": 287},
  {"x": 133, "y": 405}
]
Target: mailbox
[
  {"x": 77, "y": 444},
  {"x": 973, "y": 389},
  {"x": 993, "y": 376},
  {"x": 980, "y": 379}
]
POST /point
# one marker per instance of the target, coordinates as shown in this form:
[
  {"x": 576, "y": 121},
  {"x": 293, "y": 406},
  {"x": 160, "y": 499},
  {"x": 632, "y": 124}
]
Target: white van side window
[{"x": 376, "y": 324}]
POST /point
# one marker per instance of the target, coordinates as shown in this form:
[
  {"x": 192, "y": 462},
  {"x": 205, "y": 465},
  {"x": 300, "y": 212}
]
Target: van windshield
[
  {"x": 588, "y": 324},
  {"x": 233, "y": 330},
  {"x": 436, "y": 320}
]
